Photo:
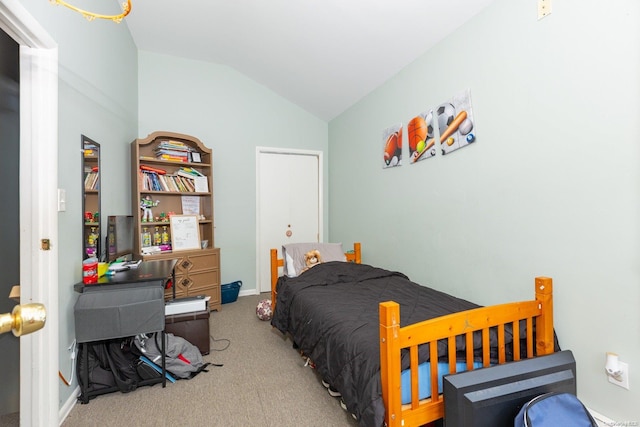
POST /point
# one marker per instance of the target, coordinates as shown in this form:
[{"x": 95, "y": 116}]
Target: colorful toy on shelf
[
  {"x": 146, "y": 238},
  {"x": 92, "y": 239},
  {"x": 165, "y": 235},
  {"x": 146, "y": 204}
]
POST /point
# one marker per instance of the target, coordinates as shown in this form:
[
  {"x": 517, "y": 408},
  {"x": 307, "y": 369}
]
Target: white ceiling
[{"x": 323, "y": 55}]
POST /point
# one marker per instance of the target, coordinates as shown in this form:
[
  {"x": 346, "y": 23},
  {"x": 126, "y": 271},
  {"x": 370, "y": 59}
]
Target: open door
[{"x": 38, "y": 236}]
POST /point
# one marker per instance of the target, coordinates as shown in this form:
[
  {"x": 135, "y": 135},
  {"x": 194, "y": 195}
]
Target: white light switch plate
[{"x": 62, "y": 200}]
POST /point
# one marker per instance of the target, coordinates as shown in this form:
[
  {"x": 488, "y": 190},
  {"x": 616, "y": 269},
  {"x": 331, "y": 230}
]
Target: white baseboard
[
  {"x": 601, "y": 419},
  {"x": 64, "y": 412},
  {"x": 248, "y": 292}
]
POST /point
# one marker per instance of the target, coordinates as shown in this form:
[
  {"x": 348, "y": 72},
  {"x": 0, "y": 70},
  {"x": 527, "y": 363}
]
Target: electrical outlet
[
  {"x": 624, "y": 376},
  {"x": 544, "y": 8}
]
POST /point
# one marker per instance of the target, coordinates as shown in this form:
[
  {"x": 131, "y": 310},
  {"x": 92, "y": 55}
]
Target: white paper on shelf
[{"x": 201, "y": 184}]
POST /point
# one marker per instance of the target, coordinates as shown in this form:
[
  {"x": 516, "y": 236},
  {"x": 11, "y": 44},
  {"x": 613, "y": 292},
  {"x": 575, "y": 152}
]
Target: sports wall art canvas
[
  {"x": 392, "y": 146},
  {"x": 455, "y": 122},
  {"x": 421, "y": 138}
]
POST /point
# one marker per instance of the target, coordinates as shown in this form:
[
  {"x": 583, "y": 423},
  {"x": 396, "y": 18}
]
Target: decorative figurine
[{"x": 146, "y": 204}]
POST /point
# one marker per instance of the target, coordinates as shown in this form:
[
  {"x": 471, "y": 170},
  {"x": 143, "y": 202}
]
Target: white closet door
[{"x": 289, "y": 204}]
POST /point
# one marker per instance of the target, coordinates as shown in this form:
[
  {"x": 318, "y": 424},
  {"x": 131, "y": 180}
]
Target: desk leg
[
  {"x": 84, "y": 351},
  {"x": 163, "y": 356}
]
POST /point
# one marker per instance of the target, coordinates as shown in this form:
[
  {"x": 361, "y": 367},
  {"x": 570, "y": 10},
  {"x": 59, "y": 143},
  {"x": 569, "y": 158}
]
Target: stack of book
[{"x": 174, "y": 151}]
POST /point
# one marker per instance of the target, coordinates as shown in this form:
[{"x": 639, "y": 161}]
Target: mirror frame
[{"x": 91, "y": 214}]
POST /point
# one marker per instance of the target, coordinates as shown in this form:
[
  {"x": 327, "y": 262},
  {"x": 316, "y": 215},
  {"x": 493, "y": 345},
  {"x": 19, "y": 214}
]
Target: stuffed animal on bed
[{"x": 311, "y": 258}]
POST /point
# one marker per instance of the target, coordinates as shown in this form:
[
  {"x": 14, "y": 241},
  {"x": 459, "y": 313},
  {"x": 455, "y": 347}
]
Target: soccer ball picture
[
  {"x": 429, "y": 121},
  {"x": 263, "y": 310},
  {"x": 446, "y": 114}
]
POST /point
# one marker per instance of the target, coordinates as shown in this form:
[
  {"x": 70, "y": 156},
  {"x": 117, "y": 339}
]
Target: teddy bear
[{"x": 311, "y": 258}]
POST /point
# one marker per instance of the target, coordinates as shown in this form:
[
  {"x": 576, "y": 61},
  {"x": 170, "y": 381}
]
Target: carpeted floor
[{"x": 263, "y": 383}]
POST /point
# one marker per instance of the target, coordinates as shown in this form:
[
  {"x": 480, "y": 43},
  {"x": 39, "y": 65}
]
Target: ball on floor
[{"x": 263, "y": 310}]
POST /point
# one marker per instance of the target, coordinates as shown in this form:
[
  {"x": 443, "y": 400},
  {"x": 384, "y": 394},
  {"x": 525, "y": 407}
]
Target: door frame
[
  {"x": 286, "y": 151},
  {"x": 39, "y": 353}
]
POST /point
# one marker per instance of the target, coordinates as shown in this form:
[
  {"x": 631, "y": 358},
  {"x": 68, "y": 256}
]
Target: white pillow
[{"x": 293, "y": 255}]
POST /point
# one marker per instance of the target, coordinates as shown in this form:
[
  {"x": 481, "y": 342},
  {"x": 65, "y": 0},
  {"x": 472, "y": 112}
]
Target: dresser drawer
[{"x": 203, "y": 260}]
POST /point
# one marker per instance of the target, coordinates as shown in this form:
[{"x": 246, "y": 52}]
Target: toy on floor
[{"x": 263, "y": 309}]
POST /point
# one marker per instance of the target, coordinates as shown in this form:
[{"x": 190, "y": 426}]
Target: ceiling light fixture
[{"x": 90, "y": 16}]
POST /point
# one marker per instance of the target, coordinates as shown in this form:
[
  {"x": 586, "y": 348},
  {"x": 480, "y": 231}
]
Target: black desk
[
  {"x": 147, "y": 271},
  {"x": 128, "y": 303}
]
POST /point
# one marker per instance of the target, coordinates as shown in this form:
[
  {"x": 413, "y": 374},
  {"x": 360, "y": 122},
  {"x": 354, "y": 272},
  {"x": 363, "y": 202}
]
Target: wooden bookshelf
[{"x": 166, "y": 182}]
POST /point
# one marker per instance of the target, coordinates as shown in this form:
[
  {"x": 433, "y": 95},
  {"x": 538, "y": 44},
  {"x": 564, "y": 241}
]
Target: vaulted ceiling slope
[{"x": 323, "y": 55}]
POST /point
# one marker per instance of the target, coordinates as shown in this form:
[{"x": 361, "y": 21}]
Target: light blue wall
[
  {"x": 98, "y": 97},
  {"x": 232, "y": 115},
  {"x": 551, "y": 187}
]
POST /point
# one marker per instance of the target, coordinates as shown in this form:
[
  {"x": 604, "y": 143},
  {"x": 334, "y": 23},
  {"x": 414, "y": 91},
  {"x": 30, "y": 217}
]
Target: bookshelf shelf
[{"x": 163, "y": 183}]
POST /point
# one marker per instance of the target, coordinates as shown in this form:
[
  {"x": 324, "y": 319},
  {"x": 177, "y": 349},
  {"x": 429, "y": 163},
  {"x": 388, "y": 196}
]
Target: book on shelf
[
  {"x": 171, "y": 158},
  {"x": 152, "y": 169},
  {"x": 187, "y": 173},
  {"x": 196, "y": 171},
  {"x": 91, "y": 180}
]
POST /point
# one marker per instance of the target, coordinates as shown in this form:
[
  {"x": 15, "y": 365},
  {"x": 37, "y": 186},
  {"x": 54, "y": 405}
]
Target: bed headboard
[{"x": 354, "y": 255}]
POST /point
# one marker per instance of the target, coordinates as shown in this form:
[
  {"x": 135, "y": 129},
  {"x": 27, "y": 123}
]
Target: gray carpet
[{"x": 263, "y": 383}]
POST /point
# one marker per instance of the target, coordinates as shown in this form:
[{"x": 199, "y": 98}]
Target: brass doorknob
[{"x": 24, "y": 319}]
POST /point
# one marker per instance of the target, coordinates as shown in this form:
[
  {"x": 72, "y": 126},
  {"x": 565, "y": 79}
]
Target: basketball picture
[{"x": 420, "y": 136}]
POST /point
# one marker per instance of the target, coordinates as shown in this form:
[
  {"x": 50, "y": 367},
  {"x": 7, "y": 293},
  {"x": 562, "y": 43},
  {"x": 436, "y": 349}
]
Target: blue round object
[{"x": 470, "y": 138}]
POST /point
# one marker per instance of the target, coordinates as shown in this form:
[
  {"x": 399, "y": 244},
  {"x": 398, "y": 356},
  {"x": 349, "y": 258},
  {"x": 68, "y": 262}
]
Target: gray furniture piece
[
  {"x": 104, "y": 313},
  {"x": 126, "y": 305}
]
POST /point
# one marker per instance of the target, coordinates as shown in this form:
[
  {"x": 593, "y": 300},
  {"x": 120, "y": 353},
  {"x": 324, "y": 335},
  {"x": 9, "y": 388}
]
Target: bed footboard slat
[
  {"x": 502, "y": 357},
  {"x": 415, "y": 396},
  {"x": 515, "y": 327},
  {"x": 451, "y": 346},
  {"x": 390, "y": 361},
  {"x": 433, "y": 357},
  {"x": 393, "y": 339},
  {"x": 469, "y": 349}
]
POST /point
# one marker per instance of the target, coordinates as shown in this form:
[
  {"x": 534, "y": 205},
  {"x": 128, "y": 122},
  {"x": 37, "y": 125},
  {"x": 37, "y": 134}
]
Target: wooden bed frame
[
  {"x": 354, "y": 255},
  {"x": 393, "y": 339}
]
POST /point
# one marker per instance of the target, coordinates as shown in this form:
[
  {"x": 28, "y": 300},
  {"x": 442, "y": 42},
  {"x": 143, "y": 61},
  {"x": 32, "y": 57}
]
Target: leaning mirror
[{"x": 91, "y": 198}]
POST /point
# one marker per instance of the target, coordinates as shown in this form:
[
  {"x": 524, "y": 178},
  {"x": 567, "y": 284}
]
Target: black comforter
[{"x": 331, "y": 313}]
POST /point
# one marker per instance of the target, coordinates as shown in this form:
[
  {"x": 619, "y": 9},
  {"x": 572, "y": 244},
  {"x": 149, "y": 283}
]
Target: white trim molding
[{"x": 38, "y": 210}]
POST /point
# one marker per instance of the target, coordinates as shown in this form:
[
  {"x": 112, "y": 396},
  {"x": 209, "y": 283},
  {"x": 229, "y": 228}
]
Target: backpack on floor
[
  {"x": 182, "y": 360},
  {"x": 554, "y": 409}
]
